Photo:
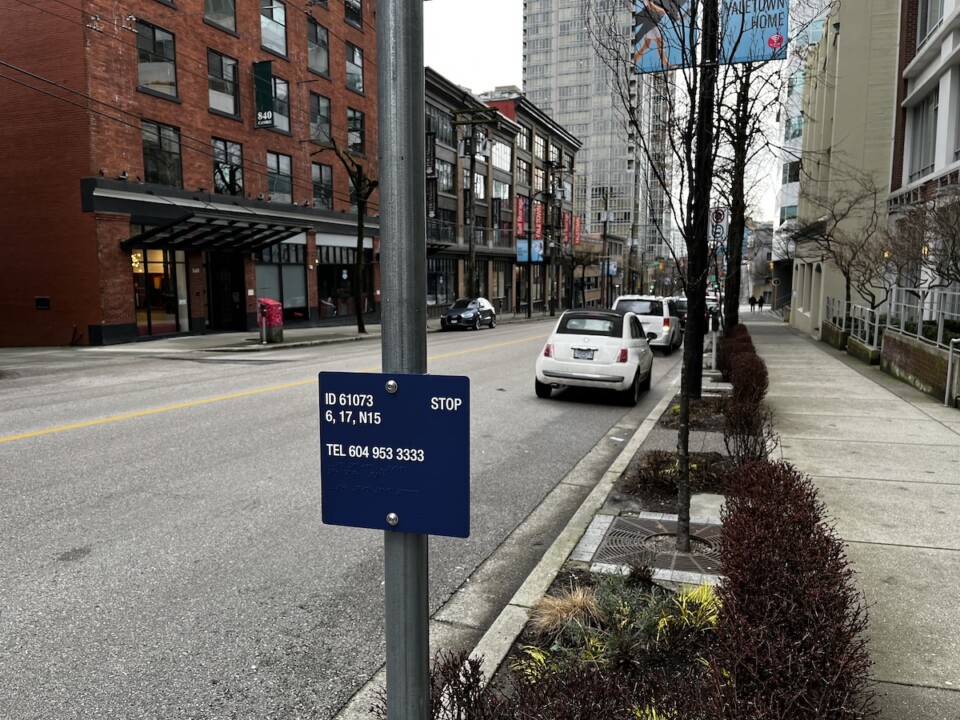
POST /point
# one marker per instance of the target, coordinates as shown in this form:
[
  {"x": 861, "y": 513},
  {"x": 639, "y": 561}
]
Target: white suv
[{"x": 659, "y": 316}]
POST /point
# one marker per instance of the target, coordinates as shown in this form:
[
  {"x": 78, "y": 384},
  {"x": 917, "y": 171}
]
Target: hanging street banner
[
  {"x": 663, "y": 38},
  {"x": 665, "y": 35},
  {"x": 754, "y": 30}
]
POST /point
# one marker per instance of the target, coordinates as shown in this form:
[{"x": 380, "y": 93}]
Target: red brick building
[{"x": 162, "y": 166}]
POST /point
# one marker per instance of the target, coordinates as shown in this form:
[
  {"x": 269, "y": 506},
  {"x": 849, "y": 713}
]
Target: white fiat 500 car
[{"x": 596, "y": 349}]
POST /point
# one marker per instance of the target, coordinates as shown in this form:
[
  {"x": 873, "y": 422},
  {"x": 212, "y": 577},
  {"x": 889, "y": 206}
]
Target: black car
[{"x": 469, "y": 313}]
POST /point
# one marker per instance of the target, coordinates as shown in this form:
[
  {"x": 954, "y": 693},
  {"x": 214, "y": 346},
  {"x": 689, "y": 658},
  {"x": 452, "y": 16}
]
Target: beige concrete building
[{"x": 848, "y": 110}]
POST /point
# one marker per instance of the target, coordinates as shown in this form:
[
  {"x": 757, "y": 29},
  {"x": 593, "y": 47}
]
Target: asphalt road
[{"x": 162, "y": 550}]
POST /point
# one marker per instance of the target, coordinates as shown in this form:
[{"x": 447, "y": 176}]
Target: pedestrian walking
[
  {"x": 760, "y": 303},
  {"x": 753, "y": 304}
]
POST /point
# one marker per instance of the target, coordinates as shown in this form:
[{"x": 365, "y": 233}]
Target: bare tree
[
  {"x": 940, "y": 246},
  {"x": 669, "y": 116},
  {"x": 849, "y": 230},
  {"x": 361, "y": 188}
]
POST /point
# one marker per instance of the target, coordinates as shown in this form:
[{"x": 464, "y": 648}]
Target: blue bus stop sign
[{"x": 395, "y": 452}]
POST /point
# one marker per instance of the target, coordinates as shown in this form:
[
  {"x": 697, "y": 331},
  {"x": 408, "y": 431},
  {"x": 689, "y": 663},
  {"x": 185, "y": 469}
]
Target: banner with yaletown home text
[
  {"x": 754, "y": 30},
  {"x": 666, "y": 33}
]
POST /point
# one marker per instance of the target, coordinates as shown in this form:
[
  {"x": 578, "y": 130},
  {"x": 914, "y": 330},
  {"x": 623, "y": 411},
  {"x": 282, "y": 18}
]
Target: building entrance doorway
[
  {"x": 160, "y": 291},
  {"x": 225, "y": 290}
]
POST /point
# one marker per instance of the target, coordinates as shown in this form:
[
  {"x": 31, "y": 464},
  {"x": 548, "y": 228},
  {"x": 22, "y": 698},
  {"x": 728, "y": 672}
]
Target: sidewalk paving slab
[{"x": 888, "y": 471}]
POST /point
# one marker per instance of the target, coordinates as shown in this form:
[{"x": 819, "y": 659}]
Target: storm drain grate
[{"x": 628, "y": 538}]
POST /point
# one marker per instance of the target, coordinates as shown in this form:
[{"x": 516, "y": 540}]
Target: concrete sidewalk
[{"x": 886, "y": 460}]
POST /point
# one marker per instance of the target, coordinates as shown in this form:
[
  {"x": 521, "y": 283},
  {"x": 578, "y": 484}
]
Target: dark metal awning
[{"x": 205, "y": 229}]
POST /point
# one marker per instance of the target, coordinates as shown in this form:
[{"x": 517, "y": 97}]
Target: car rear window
[
  {"x": 682, "y": 305},
  {"x": 610, "y": 327},
  {"x": 641, "y": 307}
]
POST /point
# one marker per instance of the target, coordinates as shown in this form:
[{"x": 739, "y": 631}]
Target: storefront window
[
  {"x": 281, "y": 276},
  {"x": 441, "y": 281},
  {"x": 335, "y": 271}
]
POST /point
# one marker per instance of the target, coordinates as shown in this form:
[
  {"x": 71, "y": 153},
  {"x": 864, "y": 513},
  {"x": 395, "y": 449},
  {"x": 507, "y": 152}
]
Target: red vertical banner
[
  {"x": 566, "y": 227},
  {"x": 577, "y": 229},
  {"x": 537, "y": 220},
  {"x": 521, "y": 218}
]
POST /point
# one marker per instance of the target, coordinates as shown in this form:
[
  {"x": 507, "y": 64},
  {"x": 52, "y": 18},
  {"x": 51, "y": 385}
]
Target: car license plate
[{"x": 583, "y": 353}]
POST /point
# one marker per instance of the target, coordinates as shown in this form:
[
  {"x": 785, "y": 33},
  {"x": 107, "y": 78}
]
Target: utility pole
[
  {"x": 400, "y": 79},
  {"x": 604, "y": 292},
  {"x": 471, "y": 118}
]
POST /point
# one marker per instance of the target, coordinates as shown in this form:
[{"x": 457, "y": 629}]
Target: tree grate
[{"x": 628, "y": 539}]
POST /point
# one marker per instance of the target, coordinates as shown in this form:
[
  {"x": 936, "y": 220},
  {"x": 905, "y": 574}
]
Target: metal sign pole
[{"x": 400, "y": 80}]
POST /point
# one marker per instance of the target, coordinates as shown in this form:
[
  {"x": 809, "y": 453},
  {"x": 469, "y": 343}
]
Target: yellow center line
[{"x": 231, "y": 396}]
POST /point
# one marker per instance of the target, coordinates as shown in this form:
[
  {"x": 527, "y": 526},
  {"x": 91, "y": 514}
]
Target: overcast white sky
[{"x": 475, "y": 44}]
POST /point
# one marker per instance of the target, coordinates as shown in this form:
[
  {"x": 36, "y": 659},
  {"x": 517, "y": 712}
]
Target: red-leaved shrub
[
  {"x": 790, "y": 644},
  {"x": 748, "y": 375},
  {"x": 730, "y": 347}
]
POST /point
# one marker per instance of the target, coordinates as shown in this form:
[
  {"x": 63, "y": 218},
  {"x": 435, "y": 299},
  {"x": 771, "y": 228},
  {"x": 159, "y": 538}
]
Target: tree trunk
[
  {"x": 358, "y": 273},
  {"x": 697, "y": 230},
  {"x": 738, "y": 204}
]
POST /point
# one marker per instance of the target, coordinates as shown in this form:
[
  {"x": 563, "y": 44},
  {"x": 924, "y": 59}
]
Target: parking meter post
[
  {"x": 263, "y": 323},
  {"x": 403, "y": 261},
  {"x": 714, "y": 328}
]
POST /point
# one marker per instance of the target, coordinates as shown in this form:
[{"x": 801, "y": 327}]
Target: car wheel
[
  {"x": 493, "y": 321},
  {"x": 631, "y": 396},
  {"x": 647, "y": 381},
  {"x": 476, "y": 323},
  {"x": 543, "y": 390},
  {"x": 667, "y": 349}
]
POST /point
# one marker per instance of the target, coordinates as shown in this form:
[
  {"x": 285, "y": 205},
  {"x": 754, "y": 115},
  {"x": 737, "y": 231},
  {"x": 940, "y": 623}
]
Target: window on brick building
[
  {"x": 523, "y": 172},
  {"x": 281, "y": 104},
  {"x": 280, "y": 177},
  {"x": 441, "y": 123},
  {"x": 161, "y": 154},
  {"x": 318, "y": 47},
  {"x": 322, "y": 186},
  {"x": 356, "y": 133},
  {"x": 523, "y": 138},
  {"x": 227, "y": 167},
  {"x": 273, "y": 25},
  {"x": 222, "y": 83},
  {"x": 353, "y": 12},
  {"x": 354, "y": 68},
  {"x": 540, "y": 147},
  {"x": 156, "y": 60},
  {"x": 221, "y": 12},
  {"x": 319, "y": 119},
  {"x": 444, "y": 176}
]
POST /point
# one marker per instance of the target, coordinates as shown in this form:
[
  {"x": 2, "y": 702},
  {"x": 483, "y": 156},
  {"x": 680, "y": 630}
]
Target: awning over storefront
[
  {"x": 214, "y": 230},
  {"x": 175, "y": 219}
]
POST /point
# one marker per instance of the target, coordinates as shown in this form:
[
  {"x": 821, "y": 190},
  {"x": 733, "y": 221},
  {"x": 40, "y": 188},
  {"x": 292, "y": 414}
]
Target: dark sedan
[{"x": 469, "y": 313}]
